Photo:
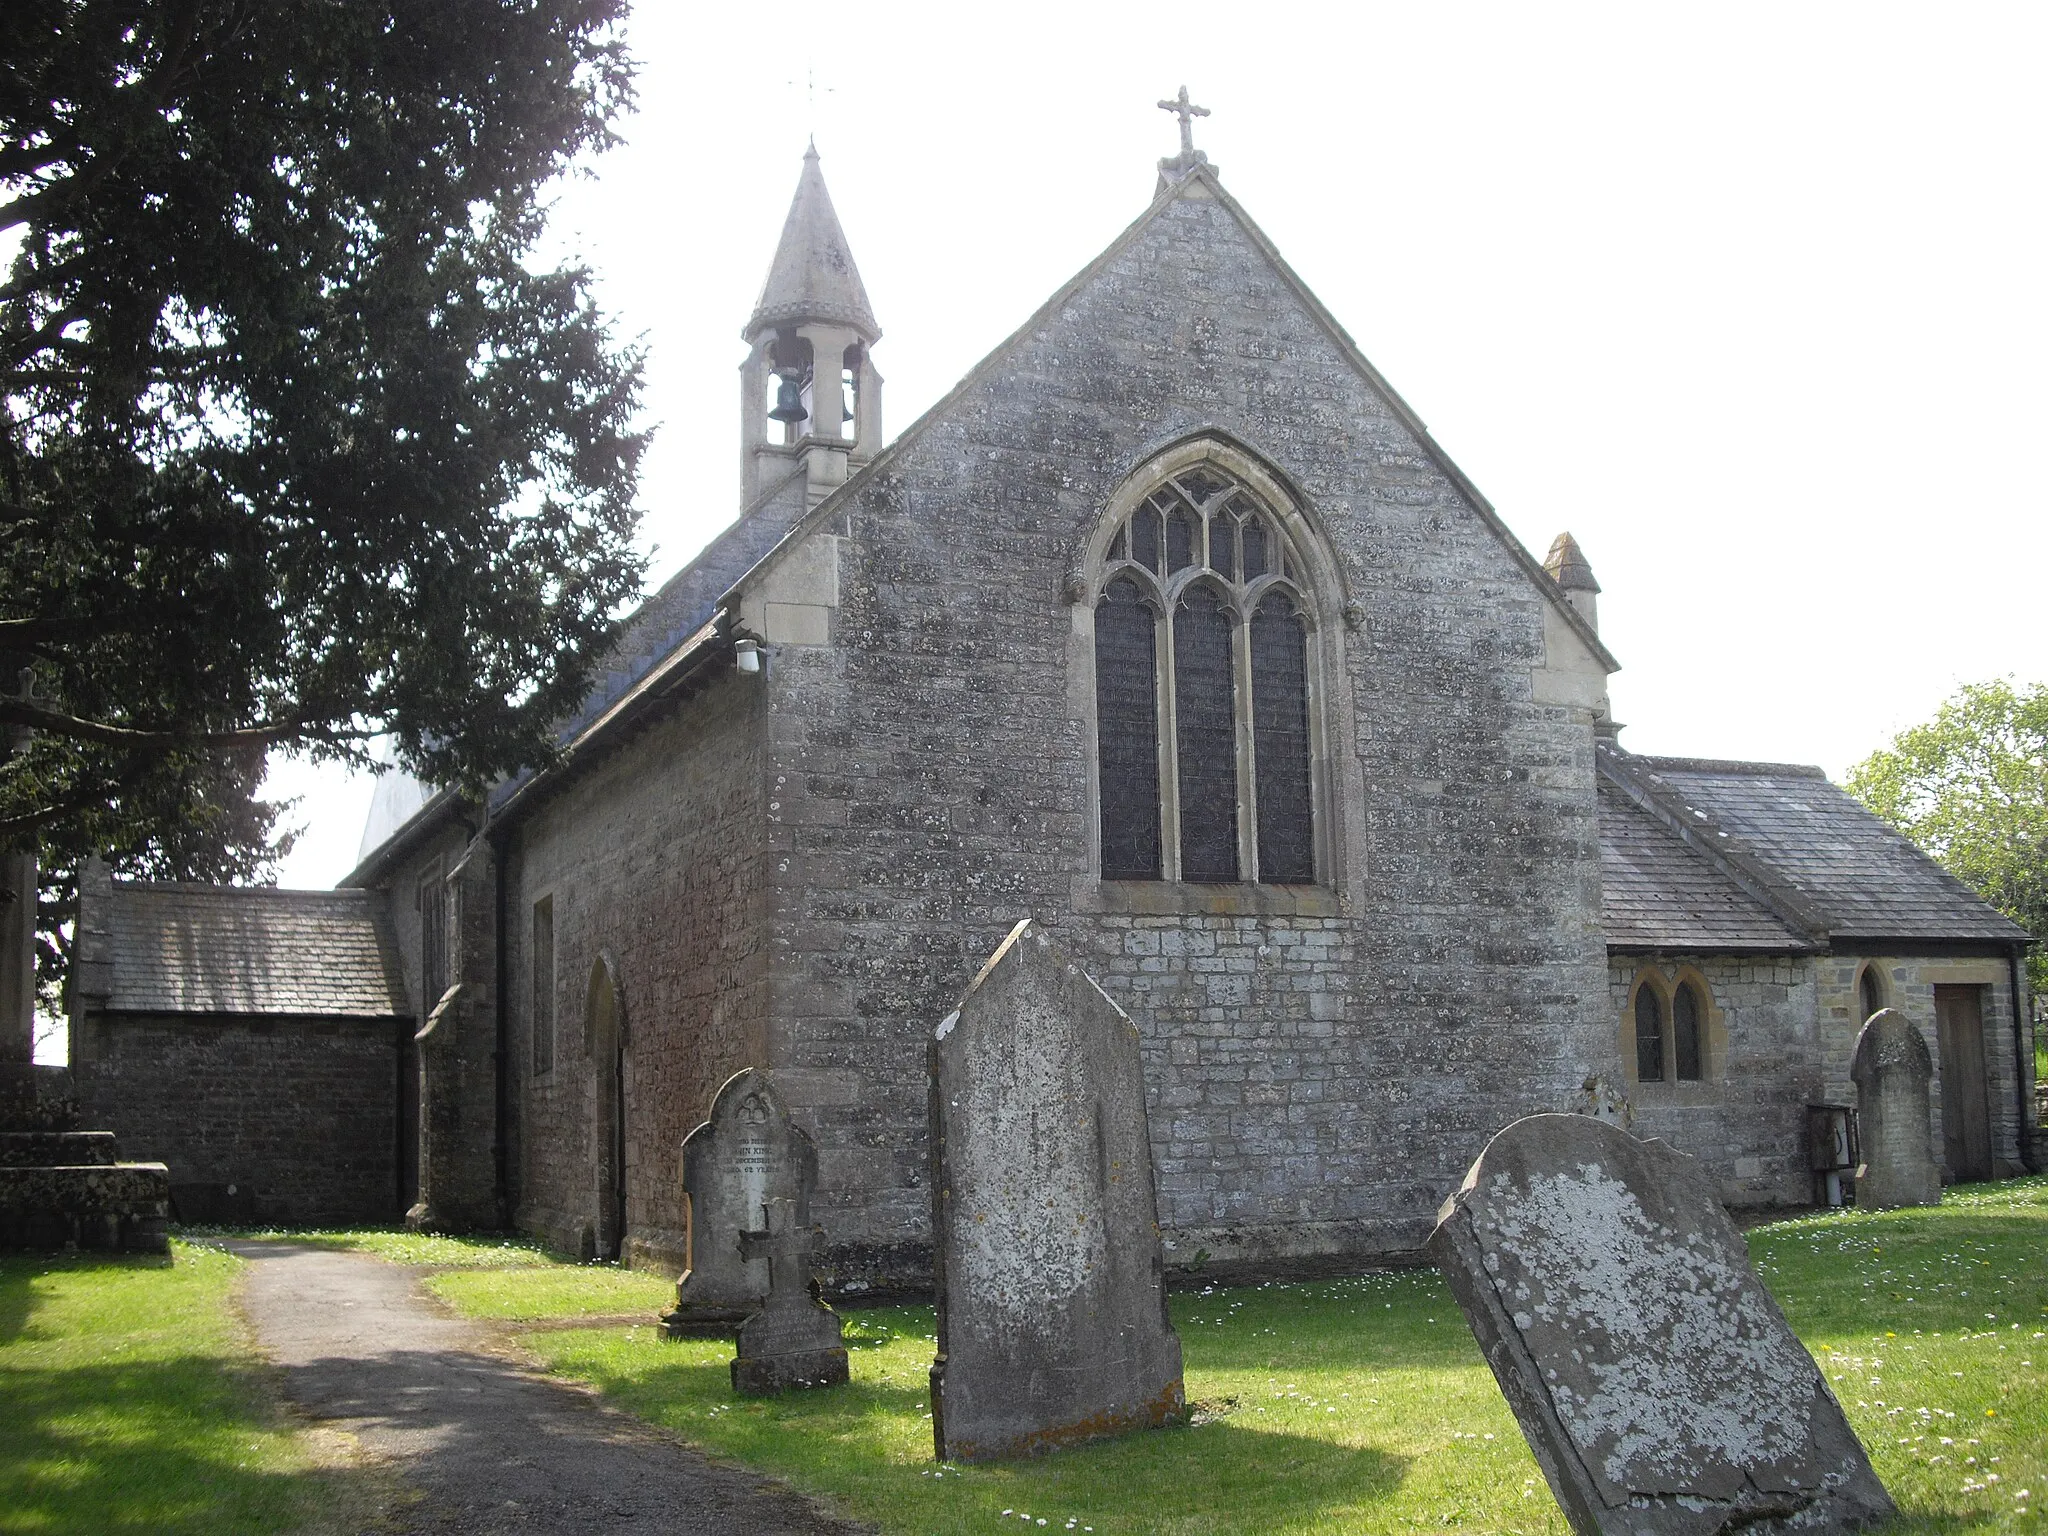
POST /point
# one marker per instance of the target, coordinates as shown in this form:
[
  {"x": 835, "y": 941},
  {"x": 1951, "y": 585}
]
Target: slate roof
[
  {"x": 1656, "y": 893},
  {"x": 249, "y": 950},
  {"x": 1800, "y": 845}
]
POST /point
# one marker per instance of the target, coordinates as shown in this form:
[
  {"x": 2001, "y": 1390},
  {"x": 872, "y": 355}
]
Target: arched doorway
[{"x": 605, "y": 1038}]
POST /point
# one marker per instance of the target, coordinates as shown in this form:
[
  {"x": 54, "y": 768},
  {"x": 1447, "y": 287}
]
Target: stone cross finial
[{"x": 1186, "y": 111}]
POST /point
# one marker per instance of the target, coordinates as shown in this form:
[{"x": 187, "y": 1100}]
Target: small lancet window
[
  {"x": 1685, "y": 1032},
  {"x": 1649, "y": 1036},
  {"x": 1873, "y": 992}
]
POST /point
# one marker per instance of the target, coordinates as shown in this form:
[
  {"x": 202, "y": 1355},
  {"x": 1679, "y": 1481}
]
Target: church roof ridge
[{"x": 812, "y": 275}]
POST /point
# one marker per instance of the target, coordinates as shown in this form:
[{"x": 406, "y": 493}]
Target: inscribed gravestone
[
  {"x": 1052, "y": 1302},
  {"x": 795, "y": 1340},
  {"x": 1891, "y": 1068},
  {"x": 747, "y": 1153},
  {"x": 1655, "y": 1379}
]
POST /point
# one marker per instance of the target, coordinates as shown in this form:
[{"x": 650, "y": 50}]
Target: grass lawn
[
  {"x": 1362, "y": 1405},
  {"x": 130, "y": 1401}
]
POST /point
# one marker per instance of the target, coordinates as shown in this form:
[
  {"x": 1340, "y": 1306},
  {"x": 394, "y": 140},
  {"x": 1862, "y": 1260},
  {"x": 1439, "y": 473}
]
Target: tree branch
[{"x": 57, "y": 723}]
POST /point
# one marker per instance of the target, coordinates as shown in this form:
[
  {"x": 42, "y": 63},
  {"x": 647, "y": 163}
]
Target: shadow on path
[{"x": 488, "y": 1444}]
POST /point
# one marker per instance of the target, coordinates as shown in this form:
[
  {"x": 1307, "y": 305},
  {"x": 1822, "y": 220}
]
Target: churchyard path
[{"x": 483, "y": 1442}]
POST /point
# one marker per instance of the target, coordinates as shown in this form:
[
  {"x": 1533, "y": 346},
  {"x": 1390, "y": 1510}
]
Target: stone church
[{"x": 1170, "y": 627}]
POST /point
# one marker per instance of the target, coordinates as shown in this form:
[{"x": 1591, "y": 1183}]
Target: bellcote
[{"x": 810, "y": 394}]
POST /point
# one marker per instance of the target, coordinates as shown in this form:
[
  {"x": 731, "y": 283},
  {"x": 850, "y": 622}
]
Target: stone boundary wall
[{"x": 271, "y": 1119}]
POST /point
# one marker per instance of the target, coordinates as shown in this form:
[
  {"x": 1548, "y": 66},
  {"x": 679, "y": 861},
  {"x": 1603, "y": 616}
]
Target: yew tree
[{"x": 305, "y": 441}]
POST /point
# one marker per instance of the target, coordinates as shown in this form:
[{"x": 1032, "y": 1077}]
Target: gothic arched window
[
  {"x": 1649, "y": 1035},
  {"x": 1203, "y": 690},
  {"x": 1687, "y": 1023}
]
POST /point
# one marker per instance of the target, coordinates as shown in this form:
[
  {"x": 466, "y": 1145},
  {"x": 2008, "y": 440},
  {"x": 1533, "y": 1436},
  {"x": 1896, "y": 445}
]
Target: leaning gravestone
[
  {"x": 795, "y": 1340},
  {"x": 1052, "y": 1301},
  {"x": 1655, "y": 1379},
  {"x": 1891, "y": 1069},
  {"x": 746, "y": 1154}
]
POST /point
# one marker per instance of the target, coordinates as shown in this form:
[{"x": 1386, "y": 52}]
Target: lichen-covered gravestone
[
  {"x": 1052, "y": 1301},
  {"x": 795, "y": 1340},
  {"x": 1892, "y": 1068},
  {"x": 1654, "y": 1376},
  {"x": 746, "y": 1154}
]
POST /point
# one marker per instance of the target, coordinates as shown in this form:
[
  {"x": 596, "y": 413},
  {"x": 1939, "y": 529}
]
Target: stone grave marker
[
  {"x": 1654, "y": 1377},
  {"x": 1052, "y": 1302},
  {"x": 747, "y": 1153},
  {"x": 795, "y": 1340},
  {"x": 1892, "y": 1068}
]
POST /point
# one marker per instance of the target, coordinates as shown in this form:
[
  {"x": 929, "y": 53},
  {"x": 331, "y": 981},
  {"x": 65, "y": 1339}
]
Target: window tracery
[{"x": 1204, "y": 697}]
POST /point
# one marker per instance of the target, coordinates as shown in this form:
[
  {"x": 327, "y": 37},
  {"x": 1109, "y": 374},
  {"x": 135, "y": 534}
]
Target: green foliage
[
  {"x": 133, "y": 1404},
  {"x": 1971, "y": 787},
  {"x": 302, "y": 440}
]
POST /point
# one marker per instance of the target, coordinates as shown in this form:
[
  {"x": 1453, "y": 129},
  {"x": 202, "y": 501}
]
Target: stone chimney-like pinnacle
[
  {"x": 1568, "y": 567},
  {"x": 813, "y": 278}
]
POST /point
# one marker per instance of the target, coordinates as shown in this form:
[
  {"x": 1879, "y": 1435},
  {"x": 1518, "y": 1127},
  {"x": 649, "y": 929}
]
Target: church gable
[{"x": 937, "y": 680}]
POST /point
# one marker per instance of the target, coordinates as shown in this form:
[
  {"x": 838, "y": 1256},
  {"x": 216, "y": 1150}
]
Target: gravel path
[{"x": 487, "y": 1443}]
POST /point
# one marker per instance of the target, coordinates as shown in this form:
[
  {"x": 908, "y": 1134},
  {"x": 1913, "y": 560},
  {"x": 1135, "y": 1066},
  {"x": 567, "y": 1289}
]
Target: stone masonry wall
[
  {"x": 1746, "y": 1119},
  {"x": 653, "y": 856},
  {"x": 299, "y": 1115},
  {"x": 1323, "y": 1064},
  {"x": 1908, "y": 985}
]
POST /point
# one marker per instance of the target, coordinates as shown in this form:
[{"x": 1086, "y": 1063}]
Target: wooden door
[{"x": 1965, "y": 1097}]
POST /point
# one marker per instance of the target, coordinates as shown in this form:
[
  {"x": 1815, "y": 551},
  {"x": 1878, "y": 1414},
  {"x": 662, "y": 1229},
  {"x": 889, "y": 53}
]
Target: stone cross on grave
[
  {"x": 788, "y": 1249},
  {"x": 795, "y": 1340},
  {"x": 1186, "y": 111}
]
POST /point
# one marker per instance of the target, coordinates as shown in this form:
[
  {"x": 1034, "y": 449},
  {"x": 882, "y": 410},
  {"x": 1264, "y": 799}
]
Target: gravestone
[
  {"x": 747, "y": 1153},
  {"x": 1892, "y": 1068},
  {"x": 1052, "y": 1302},
  {"x": 1653, "y": 1375},
  {"x": 795, "y": 1339}
]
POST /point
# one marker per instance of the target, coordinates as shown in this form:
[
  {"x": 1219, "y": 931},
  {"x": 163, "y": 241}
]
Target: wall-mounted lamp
[{"x": 746, "y": 655}]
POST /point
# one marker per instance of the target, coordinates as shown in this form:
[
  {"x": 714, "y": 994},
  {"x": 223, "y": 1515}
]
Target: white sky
[{"x": 1748, "y": 296}]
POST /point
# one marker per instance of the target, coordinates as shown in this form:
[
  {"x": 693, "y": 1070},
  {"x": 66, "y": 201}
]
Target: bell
[{"x": 789, "y": 402}]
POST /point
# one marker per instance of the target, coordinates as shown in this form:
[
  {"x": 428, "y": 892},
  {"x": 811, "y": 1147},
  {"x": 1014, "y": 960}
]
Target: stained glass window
[
  {"x": 1127, "y": 732},
  {"x": 1279, "y": 647},
  {"x": 1205, "y": 714},
  {"x": 1226, "y": 690}
]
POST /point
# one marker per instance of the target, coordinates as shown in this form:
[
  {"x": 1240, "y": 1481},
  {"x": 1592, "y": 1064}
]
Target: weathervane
[{"x": 1189, "y": 157}]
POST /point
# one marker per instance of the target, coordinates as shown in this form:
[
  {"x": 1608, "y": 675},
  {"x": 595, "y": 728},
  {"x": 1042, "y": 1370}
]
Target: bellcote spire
[{"x": 812, "y": 277}]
